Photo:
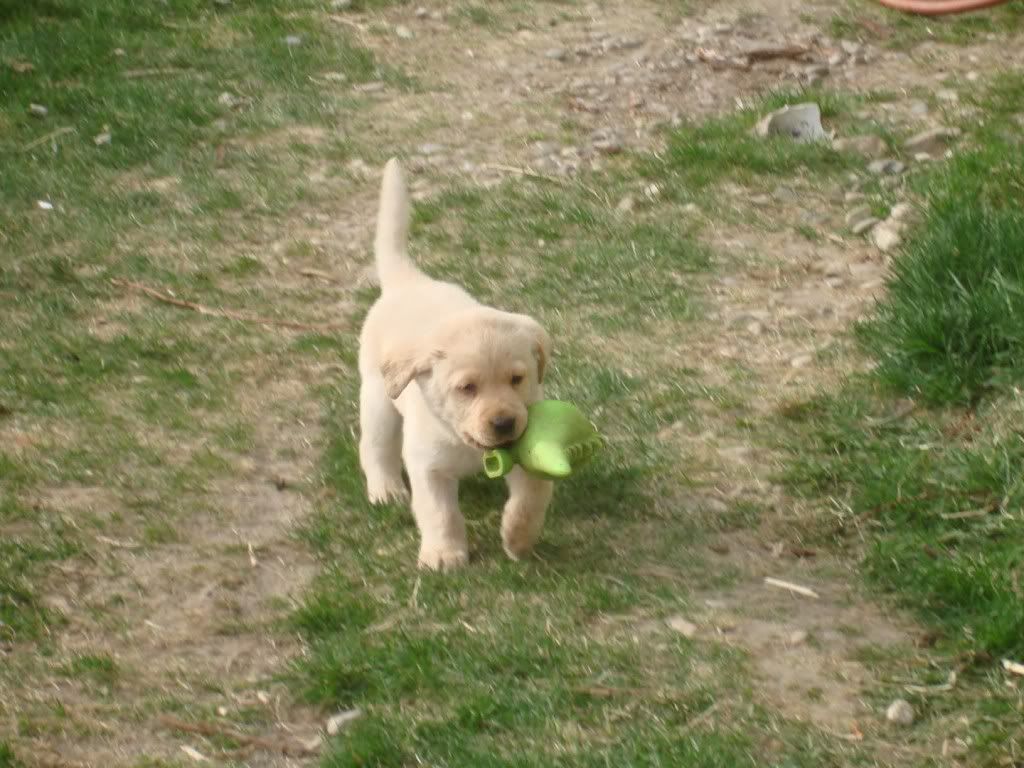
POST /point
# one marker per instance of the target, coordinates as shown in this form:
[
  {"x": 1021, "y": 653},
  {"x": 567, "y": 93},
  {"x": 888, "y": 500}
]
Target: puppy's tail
[{"x": 392, "y": 227}]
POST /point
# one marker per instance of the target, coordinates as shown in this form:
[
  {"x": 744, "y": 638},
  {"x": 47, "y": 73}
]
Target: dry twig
[
  {"x": 242, "y": 317},
  {"x": 791, "y": 587},
  {"x": 278, "y": 745},
  {"x": 48, "y": 137}
]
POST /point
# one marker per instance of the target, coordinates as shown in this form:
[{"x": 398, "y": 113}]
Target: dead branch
[
  {"x": 242, "y": 317},
  {"x": 48, "y": 137},
  {"x": 791, "y": 587},
  {"x": 278, "y": 745}
]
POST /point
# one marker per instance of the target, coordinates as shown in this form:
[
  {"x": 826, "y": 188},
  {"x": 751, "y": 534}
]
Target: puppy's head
[{"x": 478, "y": 373}]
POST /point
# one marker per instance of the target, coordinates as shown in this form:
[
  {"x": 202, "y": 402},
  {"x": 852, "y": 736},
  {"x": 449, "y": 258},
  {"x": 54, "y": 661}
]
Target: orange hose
[{"x": 939, "y": 7}]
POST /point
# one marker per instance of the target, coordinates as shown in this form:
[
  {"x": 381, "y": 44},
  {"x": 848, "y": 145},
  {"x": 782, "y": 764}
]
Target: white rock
[
  {"x": 38, "y": 110},
  {"x": 885, "y": 237},
  {"x": 685, "y": 628},
  {"x": 900, "y": 713},
  {"x": 403, "y": 32},
  {"x": 292, "y": 40},
  {"x": 102, "y": 139},
  {"x": 798, "y": 637},
  {"x": 863, "y": 225},
  {"x": 45, "y": 205},
  {"x": 336, "y": 722}
]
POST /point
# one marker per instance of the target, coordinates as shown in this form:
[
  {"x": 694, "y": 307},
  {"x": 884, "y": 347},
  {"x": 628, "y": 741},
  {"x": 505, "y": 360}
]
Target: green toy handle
[{"x": 498, "y": 463}]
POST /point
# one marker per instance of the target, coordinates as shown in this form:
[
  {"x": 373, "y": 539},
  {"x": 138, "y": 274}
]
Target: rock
[
  {"x": 800, "y": 122},
  {"x": 44, "y": 205},
  {"x": 102, "y": 139},
  {"x": 685, "y": 628},
  {"x": 38, "y": 110},
  {"x": 336, "y": 722},
  {"x": 228, "y": 100},
  {"x": 900, "y": 211},
  {"x": 421, "y": 13},
  {"x": 933, "y": 141},
  {"x": 863, "y": 225},
  {"x": 292, "y": 40},
  {"x": 798, "y": 637},
  {"x": 853, "y": 196},
  {"x": 556, "y": 54},
  {"x": 755, "y": 328},
  {"x": 900, "y": 713},
  {"x": 885, "y": 237},
  {"x": 626, "y": 204},
  {"x": 890, "y": 167},
  {"x": 691, "y": 208},
  {"x": 801, "y": 361},
  {"x": 856, "y": 214},
  {"x": 918, "y": 108},
  {"x": 403, "y": 32},
  {"x": 868, "y": 145},
  {"x": 652, "y": 191},
  {"x": 836, "y": 59},
  {"x": 850, "y": 48}
]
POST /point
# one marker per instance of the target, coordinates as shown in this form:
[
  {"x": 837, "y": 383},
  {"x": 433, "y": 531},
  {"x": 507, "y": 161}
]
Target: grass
[
  {"x": 862, "y": 19},
  {"x": 930, "y": 499},
  {"x": 701, "y": 154}
]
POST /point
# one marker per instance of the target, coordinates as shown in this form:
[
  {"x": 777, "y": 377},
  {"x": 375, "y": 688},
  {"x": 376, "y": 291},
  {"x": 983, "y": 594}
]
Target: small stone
[
  {"x": 222, "y": 3},
  {"x": 119, "y": 52},
  {"x": 900, "y": 211},
  {"x": 293, "y": 40},
  {"x": 429, "y": 149},
  {"x": 853, "y": 196},
  {"x": 933, "y": 141},
  {"x": 222, "y": 711},
  {"x": 102, "y": 139},
  {"x": 800, "y": 122},
  {"x": 652, "y": 191},
  {"x": 421, "y": 13},
  {"x": 556, "y": 54},
  {"x": 685, "y": 628},
  {"x": 801, "y": 361},
  {"x": 38, "y": 110},
  {"x": 44, "y": 205},
  {"x": 691, "y": 208},
  {"x": 885, "y": 237},
  {"x": 336, "y": 722},
  {"x": 918, "y": 108},
  {"x": 755, "y": 328},
  {"x": 850, "y": 48},
  {"x": 889, "y": 167},
  {"x": 895, "y": 167},
  {"x": 856, "y": 214},
  {"x": 626, "y": 204},
  {"x": 900, "y": 713},
  {"x": 972, "y": 76},
  {"x": 798, "y": 637},
  {"x": 862, "y": 226},
  {"x": 403, "y": 32},
  {"x": 836, "y": 59},
  {"x": 761, "y": 200}
]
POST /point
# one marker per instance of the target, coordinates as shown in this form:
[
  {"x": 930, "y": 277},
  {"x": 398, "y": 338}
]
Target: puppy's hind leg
[{"x": 380, "y": 443}]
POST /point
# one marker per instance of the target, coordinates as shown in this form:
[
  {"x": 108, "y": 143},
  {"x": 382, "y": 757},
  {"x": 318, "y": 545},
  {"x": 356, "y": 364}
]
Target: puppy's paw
[
  {"x": 518, "y": 536},
  {"x": 443, "y": 558},
  {"x": 383, "y": 489}
]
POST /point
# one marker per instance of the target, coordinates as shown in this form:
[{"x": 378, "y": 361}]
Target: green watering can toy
[{"x": 557, "y": 441}]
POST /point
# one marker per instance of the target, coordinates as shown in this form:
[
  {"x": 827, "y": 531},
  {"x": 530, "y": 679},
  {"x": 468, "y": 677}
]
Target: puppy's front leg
[
  {"x": 435, "y": 504},
  {"x": 525, "y": 509}
]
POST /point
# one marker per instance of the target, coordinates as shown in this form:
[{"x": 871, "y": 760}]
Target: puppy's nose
[{"x": 504, "y": 426}]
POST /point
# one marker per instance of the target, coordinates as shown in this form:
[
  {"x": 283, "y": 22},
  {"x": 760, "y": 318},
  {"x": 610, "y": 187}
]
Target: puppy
[{"x": 443, "y": 379}]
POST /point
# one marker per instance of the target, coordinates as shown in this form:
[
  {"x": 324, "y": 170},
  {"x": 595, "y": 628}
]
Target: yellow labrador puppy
[{"x": 443, "y": 379}]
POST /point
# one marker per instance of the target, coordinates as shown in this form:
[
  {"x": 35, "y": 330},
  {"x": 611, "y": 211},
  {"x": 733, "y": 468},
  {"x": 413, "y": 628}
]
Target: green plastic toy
[{"x": 558, "y": 440}]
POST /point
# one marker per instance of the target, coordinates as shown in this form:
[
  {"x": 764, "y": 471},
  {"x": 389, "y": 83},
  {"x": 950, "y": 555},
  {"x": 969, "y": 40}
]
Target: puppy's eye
[
  {"x": 517, "y": 380},
  {"x": 469, "y": 388}
]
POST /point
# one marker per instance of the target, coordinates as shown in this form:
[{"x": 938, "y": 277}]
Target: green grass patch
[
  {"x": 701, "y": 154},
  {"x": 866, "y": 20},
  {"x": 942, "y": 515},
  {"x": 951, "y": 327}
]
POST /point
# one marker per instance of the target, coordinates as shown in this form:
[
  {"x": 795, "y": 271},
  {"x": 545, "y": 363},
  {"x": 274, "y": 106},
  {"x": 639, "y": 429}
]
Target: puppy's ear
[
  {"x": 541, "y": 343},
  {"x": 403, "y": 364}
]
